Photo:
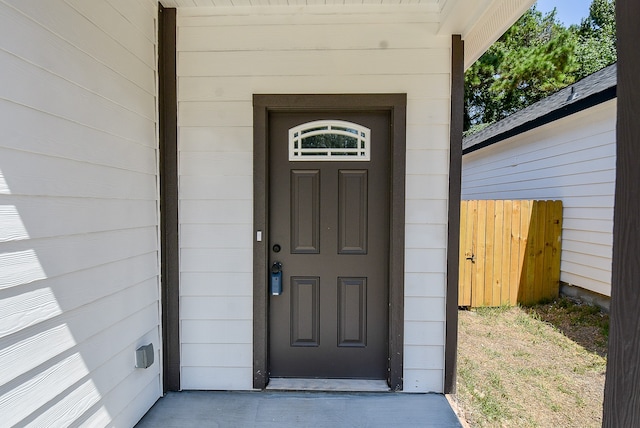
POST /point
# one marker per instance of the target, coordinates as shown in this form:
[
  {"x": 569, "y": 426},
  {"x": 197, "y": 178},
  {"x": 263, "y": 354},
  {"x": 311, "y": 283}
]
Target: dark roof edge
[{"x": 568, "y": 110}]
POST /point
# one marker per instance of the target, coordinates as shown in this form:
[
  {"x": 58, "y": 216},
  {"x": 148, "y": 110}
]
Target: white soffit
[
  {"x": 488, "y": 28},
  {"x": 457, "y": 16}
]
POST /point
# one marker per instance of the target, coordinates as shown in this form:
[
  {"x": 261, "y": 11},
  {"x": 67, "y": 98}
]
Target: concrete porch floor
[{"x": 299, "y": 409}]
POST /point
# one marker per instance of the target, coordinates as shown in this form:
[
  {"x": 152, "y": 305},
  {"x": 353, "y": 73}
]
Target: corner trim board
[
  {"x": 168, "y": 171},
  {"x": 453, "y": 238}
]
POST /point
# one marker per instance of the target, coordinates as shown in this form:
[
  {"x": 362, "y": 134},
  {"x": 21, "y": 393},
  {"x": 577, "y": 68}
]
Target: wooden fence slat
[
  {"x": 538, "y": 253},
  {"x": 525, "y": 221},
  {"x": 529, "y": 262},
  {"x": 556, "y": 245},
  {"x": 479, "y": 239},
  {"x": 469, "y": 253},
  {"x": 461, "y": 266},
  {"x": 489, "y": 251},
  {"x": 515, "y": 257},
  {"x": 506, "y": 255},
  {"x": 471, "y": 243},
  {"x": 498, "y": 253},
  {"x": 547, "y": 251},
  {"x": 541, "y": 253},
  {"x": 464, "y": 292}
]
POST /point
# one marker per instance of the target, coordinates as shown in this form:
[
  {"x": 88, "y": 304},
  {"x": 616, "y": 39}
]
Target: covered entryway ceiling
[{"x": 479, "y": 22}]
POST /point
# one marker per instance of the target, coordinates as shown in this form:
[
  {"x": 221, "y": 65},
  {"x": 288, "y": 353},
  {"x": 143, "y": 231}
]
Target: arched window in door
[{"x": 329, "y": 140}]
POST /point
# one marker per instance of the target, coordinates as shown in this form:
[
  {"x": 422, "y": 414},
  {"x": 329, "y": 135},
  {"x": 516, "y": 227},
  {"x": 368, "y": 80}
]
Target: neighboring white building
[
  {"x": 86, "y": 273},
  {"x": 563, "y": 147}
]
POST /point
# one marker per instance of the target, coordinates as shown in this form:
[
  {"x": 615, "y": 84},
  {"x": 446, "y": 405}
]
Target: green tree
[
  {"x": 597, "y": 38},
  {"x": 533, "y": 59}
]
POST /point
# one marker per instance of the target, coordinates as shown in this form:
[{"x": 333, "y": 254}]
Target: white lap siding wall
[
  {"x": 572, "y": 159},
  {"x": 225, "y": 55},
  {"x": 78, "y": 211}
]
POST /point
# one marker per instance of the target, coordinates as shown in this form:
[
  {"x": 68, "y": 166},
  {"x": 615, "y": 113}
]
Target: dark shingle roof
[{"x": 588, "y": 92}]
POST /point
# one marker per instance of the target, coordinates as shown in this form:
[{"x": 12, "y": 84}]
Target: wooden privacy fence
[{"x": 509, "y": 252}]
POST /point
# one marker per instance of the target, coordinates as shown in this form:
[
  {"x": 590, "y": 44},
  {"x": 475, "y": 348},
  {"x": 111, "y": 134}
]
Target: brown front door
[{"x": 329, "y": 228}]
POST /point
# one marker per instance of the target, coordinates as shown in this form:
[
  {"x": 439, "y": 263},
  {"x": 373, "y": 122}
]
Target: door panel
[
  {"x": 305, "y": 211},
  {"x": 352, "y": 312},
  {"x": 330, "y": 222},
  {"x": 305, "y": 311},
  {"x": 352, "y": 211}
]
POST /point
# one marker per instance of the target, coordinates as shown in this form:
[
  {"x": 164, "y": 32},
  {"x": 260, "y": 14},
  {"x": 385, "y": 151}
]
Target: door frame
[{"x": 396, "y": 105}]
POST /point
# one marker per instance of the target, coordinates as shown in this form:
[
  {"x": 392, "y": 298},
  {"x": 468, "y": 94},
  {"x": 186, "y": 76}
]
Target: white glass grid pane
[{"x": 356, "y": 137}]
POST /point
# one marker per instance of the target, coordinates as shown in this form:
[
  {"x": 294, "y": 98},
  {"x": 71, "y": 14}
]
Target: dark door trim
[
  {"x": 262, "y": 105},
  {"x": 453, "y": 239},
  {"x": 168, "y": 159}
]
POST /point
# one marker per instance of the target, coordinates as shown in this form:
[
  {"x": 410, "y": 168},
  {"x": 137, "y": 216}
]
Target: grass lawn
[{"x": 542, "y": 366}]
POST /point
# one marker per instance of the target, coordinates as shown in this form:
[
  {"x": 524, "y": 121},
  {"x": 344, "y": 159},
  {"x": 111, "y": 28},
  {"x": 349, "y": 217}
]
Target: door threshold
[{"x": 338, "y": 385}]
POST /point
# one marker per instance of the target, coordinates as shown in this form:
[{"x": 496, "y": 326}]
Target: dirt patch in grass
[
  {"x": 542, "y": 366},
  {"x": 585, "y": 324}
]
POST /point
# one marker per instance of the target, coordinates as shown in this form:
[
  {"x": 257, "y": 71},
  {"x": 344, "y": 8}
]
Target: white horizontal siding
[
  {"x": 78, "y": 212},
  {"x": 225, "y": 56},
  {"x": 418, "y": 234},
  {"x": 36, "y": 360},
  {"x": 224, "y": 378},
  {"x": 107, "y": 17},
  {"x": 346, "y": 14},
  {"x": 422, "y": 284},
  {"x": 39, "y": 303},
  {"x": 216, "y": 331},
  {"x": 572, "y": 159},
  {"x": 214, "y": 211},
  {"x": 216, "y": 284},
  {"x": 38, "y": 89},
  {"x": 59, "y": 137},
  {"x": 74, "y": 215},
  {"x": 216, "y": 308},
  {"x": 100, "y": 182},
  {"x": 294, "y": 36},
  {"x": 312, "y": 63},
  {"x": 62, "y": 20},
  {"x": 65, "y": 60},
  {"x": 242, "y": 87}
]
